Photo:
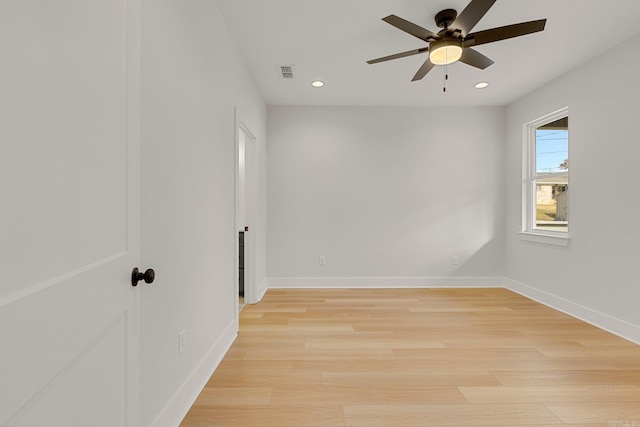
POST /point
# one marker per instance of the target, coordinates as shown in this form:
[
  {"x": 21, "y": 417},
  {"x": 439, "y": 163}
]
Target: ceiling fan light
[{"x": 443, "y": 52}]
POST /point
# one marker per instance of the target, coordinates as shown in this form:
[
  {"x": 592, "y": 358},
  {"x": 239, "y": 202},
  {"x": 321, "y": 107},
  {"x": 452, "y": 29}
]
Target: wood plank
[
  {"x": 575, "y": 377},
  {"x": 374, "y": 366},
  {"x": 448, "y": 415},
  {"x": 409, "y": 379},
  {"x": 622, "y": 414},
  {"x": 241, "y": 396},
  {"x": 353, "y": 395},
  {"x": 552, "y": 394},
  {"x": 280, "y": 416}
]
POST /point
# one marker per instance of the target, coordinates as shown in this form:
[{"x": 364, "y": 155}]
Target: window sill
[{"x": 547, "y": 239}]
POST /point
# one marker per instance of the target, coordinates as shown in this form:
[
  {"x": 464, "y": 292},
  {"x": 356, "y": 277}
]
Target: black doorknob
[{"x": 147, "y": 276}]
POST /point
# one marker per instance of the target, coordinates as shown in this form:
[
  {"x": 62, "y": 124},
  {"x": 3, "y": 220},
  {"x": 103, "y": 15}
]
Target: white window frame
[{"x": 529, "y": 231}]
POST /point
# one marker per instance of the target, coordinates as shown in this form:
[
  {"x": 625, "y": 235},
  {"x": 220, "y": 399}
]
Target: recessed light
[
  {"x": 481, "y": 85},
  {"x": 317, "y": 83}
]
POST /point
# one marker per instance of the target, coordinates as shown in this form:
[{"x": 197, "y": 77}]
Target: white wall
[
  {"x": 595, "y": 276},
  {"x": 384, "y": 193},
  {"x": 193, "y": 79}
]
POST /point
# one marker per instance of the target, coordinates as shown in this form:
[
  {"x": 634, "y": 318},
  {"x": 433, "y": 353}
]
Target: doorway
[{"x": 246, "y": 202}]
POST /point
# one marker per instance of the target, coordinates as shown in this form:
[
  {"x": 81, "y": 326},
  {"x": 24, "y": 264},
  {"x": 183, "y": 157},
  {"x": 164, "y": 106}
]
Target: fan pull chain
[
  {"x": 446, "y": 73},
  {"x": 446, "y": 77}
]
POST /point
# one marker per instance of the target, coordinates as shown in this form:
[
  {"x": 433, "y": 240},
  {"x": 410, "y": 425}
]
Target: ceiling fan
[{"x": 453, "y": 43}]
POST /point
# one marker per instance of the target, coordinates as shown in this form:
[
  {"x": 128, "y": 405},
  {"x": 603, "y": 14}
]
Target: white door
[{"x": 69, "y": 233}]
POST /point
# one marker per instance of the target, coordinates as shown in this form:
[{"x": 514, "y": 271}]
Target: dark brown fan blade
[
  {"x": 399, "y": 55},
  {"x": 410, "y": 27},
  {"x": 475, "y": 58},
  {"x": 471, "y": 15},
  {"x": 426, "y": 67},
  {"x": 506, "y": 32}
]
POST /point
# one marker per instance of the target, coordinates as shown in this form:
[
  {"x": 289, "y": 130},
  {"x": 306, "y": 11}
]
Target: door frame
[{"x": 250, "y": 198}]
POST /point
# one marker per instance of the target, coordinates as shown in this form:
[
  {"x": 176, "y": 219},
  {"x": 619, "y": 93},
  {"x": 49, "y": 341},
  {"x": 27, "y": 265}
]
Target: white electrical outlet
[
  {"x": 181, "y": 341},
  {"x": 455, "y": 260},
  {"x": 322, "y": 260}
]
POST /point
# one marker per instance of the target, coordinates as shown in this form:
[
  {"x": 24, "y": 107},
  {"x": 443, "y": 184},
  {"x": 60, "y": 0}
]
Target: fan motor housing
[{"x": 444, "y": 18}]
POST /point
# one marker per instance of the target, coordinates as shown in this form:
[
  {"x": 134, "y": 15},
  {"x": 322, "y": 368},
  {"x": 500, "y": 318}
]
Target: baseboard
[
  {"x": 384, "y": 282},
  {"x": 262, "y": 289},
  {"x": 183, "y": 399},
  {"x": 603, "y": 321}
]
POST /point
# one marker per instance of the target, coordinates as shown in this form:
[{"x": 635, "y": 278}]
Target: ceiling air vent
[{"x": 286, "y": 70}]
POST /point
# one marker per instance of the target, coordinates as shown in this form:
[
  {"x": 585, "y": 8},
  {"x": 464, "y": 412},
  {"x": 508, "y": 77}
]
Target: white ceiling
[{"x": 331, "y": 40}]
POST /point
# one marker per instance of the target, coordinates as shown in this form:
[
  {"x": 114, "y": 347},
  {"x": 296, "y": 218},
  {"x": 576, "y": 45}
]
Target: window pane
[
  {"x": 552, "y": 203},
  {"x": 552, "y": 147},
  {"x": 552, "y": 175}
]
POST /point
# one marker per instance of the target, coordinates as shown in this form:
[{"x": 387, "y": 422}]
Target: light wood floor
[{"x": 418, "y": 357}]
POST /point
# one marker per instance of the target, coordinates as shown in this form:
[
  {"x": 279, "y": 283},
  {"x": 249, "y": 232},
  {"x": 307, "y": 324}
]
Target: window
[{"x": 546, "y": 176}]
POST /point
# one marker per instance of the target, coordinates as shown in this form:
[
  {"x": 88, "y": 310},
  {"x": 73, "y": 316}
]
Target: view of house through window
[
  {"x": 552, "y": 175},
  {"x": 547, "y": 179}
]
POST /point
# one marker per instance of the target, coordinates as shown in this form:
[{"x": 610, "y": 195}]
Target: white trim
[
  {"x": 549, "y": 239},
  {"x": 384, "y": 282},
  {"x": 603, "y": 321},
  {"x": 178, "y": 406},
  {"x": 262, "y": 289},
  {"x": 530, "y": 178}
]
